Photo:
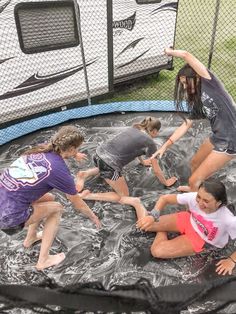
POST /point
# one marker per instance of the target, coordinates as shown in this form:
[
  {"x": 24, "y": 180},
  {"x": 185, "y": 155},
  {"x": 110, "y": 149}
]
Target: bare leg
[
  {"x": 205, "y": 163},
  {"x": 164, "y": 248},
  {"x": 50, "y": 229},
  {"x": 204, "y": 150},
  {"x": 136, "y": 203},
  {"x": 120, "y": 187},
  {"x": 83, "y": 175},
  {"x": 51, "y": 212},
  {"x": 32, "y": 234},
  {"x": 209, "y": 166},
  {"x": 48, "y": 197},
  {"x": 165, "y": 223},
  {"x": 106, "y": 196},
  {"x": 177, "y": 247}
]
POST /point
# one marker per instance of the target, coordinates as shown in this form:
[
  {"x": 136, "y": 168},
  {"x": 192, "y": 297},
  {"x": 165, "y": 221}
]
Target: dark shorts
[
  {"x": 15, "y": 229},
  {"x": 225, "y": 150},
  {"x": 106, "y": 171}
]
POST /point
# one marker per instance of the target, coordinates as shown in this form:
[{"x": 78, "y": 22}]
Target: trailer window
[
  {"x": 43, "y": 26},
  {"x": 147, "y": 1}
]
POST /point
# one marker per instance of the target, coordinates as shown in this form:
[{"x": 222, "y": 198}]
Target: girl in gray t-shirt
[
  {"x": 112, "y": 156},
  {"x": 205, "y": 97}
]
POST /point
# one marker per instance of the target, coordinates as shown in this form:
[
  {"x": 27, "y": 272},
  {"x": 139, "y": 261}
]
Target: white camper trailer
[
  {"x": 56, "y": 53},
  {"x": 141, "y": 31},
  {"x": 41, "y": 59}
]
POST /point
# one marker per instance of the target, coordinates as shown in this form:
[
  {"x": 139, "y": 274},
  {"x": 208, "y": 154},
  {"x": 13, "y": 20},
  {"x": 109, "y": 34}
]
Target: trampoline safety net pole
[
  {"x": 77, "y": 16},
  {"x": 214, "y": 33}
]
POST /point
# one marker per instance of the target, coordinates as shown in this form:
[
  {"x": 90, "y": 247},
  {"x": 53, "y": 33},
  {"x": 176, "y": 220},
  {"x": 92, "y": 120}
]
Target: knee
[
  {"x": 194, "y": 182},
  {"x": 124, "y": 193},
  {"x": 158, "y": 251},
  {"x": 51, "y": 197},
  {"x": 135, "y": 201},
  {"x": 58, "y": 209},
  {"x": 193, "y": 164}
]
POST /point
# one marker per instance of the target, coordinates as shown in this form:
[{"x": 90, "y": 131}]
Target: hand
[
  {"x": 159, "y": 152},
  {"x": 225, "y": 266},
  {"x": 168, "y": 51},
  {"x": 171, "y": 181},
  {"x": 147, "y": 162},
  {"x": 80, "y": 156},
  {"x": 96, "y": 221},
  {"x": 145, "y": 223}
]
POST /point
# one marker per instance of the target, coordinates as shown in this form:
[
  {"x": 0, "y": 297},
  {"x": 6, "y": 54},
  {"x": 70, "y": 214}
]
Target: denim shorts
[{"x": 106, "y": 171}]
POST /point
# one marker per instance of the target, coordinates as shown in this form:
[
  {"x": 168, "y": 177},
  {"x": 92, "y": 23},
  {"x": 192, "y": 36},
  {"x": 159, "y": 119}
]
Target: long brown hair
[
  {"x": 65, "y": 138},
  {"x": 191, "y": 98},
  {"x": 148, "y": 124},
  {"x": 218, "y": 190}
]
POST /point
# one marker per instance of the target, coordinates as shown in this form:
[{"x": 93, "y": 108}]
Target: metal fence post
[{"x": 217, "y": 10}]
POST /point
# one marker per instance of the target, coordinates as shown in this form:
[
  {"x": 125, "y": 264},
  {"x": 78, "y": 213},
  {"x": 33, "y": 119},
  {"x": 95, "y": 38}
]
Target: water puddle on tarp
[{"x": 117, "y": 253}]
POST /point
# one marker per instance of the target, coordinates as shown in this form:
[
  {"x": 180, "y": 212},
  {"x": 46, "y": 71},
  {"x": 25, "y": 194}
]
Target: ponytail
[{"x": 148, "y": 124}]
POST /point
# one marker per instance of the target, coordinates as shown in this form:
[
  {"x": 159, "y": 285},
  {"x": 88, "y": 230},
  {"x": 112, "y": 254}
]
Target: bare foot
[
  {"x": 29, "y": 242},
  {"x": 52, "y": 260},
  {"x": 171, "y": 181},
  {"x": 184, "y": 188},
  {"x": 80, "y": 179}
]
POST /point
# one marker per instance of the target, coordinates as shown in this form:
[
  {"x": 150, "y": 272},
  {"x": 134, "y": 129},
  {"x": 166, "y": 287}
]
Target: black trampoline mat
[{"x": 118, "y": 253}]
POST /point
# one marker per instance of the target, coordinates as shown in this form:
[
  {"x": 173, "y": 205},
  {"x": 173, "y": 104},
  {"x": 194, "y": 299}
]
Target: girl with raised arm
[{"x": 205, "y": 97}]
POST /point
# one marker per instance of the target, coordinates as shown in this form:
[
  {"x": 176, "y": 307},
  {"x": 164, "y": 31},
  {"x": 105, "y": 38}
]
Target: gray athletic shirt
[
  {"x": 125, "y": 147},
  {"x": 220, "y": 109}
]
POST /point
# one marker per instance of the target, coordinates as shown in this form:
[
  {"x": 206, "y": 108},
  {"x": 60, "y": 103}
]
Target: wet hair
[
  {"x": 148, "y": 124},
  {"x": 65, "y": 138},
  {"x": 218, "y": 190},
  {"x": 191, "y": 98}
]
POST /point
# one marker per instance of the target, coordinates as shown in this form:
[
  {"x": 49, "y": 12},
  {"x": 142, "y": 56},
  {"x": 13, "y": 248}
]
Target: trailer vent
[{"x": 44, "y": 26}]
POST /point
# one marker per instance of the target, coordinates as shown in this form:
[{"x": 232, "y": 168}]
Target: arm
[
  {"x": 83, "y": 208},
  {"x": 146, "y": 222},
  {"x": 80, "y": 156},
  {"x": 159, "y": 174},
  {"x": 190, "y": 59},
  {"x": 226, "y": 265},
  {"x": 178, "y": 133}
]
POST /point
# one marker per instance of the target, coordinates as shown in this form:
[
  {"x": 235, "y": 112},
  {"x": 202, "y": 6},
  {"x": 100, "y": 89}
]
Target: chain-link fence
[
  {"x": 208, "y": 30},
  {"x": 55, "y": 53}
]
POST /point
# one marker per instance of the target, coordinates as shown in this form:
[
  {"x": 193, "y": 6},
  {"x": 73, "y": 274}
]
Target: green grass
[{"x": 194, "y": 33}]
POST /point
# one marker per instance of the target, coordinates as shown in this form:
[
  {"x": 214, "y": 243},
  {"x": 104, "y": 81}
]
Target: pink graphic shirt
[{"x": 215, "y": 228}]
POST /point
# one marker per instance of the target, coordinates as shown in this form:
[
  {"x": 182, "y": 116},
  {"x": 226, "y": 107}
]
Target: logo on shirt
[
  {"x": 26, "y": 170},
  {"x": 209, "y": 107},
  {"x": 205, "y": 227}
]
